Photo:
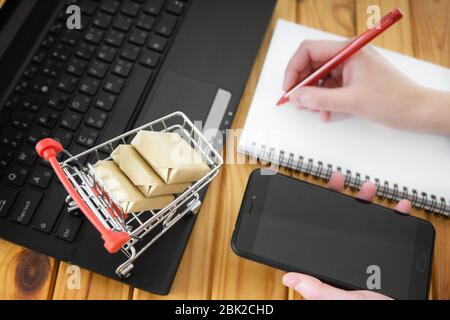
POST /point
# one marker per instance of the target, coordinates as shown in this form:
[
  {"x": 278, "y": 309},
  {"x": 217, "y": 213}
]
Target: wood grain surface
[{"x": 209, "y": 269}]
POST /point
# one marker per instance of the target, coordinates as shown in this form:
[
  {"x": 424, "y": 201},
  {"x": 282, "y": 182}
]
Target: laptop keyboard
[{"x": 68, "y": 92}]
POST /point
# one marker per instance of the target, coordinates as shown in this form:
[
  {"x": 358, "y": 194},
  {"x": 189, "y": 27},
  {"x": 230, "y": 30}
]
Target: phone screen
[{"x": 338, "y": 238}]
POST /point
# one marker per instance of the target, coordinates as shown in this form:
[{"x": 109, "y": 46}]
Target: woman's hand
[
  {"x": 368, "y": 86},
  {"x": 313, "y": 289}
]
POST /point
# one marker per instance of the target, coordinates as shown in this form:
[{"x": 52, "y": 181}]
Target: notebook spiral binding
[{"x": 317, "y": 169}]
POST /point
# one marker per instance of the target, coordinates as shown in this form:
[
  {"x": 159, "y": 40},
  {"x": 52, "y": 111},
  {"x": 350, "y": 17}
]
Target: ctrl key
[
  {"x": 68, "y": 228},
  {"x": 26, "y": 206},
  {"x": 7, "y": 197}
]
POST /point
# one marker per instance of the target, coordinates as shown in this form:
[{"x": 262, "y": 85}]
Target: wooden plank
[
  {"x": 430, "y": 36},
  {"x": 233, "y": 277},
  {"x": 25, "y": 274},
  {"x": 91, "y": 286},
  {"x": 399, "y": 36},
  {"x": 431, "y": 30},
  {"x": 336, "y": 16}
]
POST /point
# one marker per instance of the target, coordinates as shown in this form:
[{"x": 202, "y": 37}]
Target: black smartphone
[{"x": 346, "y": 242}]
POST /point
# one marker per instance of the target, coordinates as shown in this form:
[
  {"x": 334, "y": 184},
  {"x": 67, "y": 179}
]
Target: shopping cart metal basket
[{"x": 131, "y": 233}]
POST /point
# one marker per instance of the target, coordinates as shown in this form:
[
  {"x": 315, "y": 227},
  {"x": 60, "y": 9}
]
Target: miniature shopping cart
[{"x": 131, "y": 233}]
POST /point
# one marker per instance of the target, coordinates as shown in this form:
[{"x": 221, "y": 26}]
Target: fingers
[
  {"x": 368, "y": 192},
  {"x": 336, "y": 182},
  {"x": 309, "y": 55},
  {"x": 313, "y": 289},
  {"x": 324, "y": 99},
  {"x": 404, "y": 207}
]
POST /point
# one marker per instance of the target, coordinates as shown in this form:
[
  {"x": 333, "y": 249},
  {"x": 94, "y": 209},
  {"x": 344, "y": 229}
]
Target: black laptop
[{"x": 132, "y": 62}]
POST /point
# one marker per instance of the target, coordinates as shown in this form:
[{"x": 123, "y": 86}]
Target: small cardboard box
[
  {"x": 124, "y": 192},
  {"x": 141, "y": 173},
  {"x": 170, "y": 156}
]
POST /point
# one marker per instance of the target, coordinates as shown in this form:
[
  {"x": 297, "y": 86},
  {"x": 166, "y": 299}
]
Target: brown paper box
[
  {"x": 141, "y": 173},
  {"x": 124, "y": 192},
  {"x": 170, "y": 156}
]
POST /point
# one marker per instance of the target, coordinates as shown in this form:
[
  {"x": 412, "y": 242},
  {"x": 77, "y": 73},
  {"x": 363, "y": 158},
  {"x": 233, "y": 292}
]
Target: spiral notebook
[{"x": 404, "y": 165}]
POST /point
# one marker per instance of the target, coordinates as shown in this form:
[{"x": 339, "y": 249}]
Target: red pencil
[{"x": 354, "y": 46}]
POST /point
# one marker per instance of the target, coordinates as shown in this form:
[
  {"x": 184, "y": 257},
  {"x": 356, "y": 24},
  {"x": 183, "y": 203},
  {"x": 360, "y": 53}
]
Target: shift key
[
  {"x": 26, "y": 206},
  {"x": 51, "y": 209},
  {"x": 7, "y": 197}
]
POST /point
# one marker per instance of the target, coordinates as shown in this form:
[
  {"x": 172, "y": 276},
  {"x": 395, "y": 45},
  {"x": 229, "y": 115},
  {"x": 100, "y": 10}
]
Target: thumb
[{"x": 324, "y": 99}]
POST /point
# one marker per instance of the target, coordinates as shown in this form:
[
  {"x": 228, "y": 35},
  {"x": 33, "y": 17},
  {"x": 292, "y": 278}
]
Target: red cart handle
[{"x": 48, "y": 149}]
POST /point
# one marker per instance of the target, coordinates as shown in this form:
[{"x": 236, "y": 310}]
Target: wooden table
[{"x": 209, "y": 269}]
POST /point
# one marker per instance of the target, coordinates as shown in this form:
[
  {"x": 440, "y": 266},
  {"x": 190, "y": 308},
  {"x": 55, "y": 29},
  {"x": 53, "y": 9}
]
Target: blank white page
[{"x": 416, "y": 161}]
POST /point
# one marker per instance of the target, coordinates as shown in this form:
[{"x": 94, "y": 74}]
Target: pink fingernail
[{"x": 291, "y": 281}]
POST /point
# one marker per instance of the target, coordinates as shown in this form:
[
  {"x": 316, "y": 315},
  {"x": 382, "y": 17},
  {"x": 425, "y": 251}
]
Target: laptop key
[
  {"x": 41, "y": 177},
  {"x": 32, "y": 102},
  {"x": 12, "y": 138},
  {"x": 61, "y": 52},
  {"x": 94, "y": 35},
  {"x": 86, "y": 51},
  {"x": 22, "y": 120},
  {"x": 21, "y": 87},
  {"x": 7, "y": 197},
  {"x": 17, "y": 175},
  {"x": 88, "y": 7},
  {"x": 138, "y": 37},
  {"x": 37, "y": 134},
  {"x": 52, "y": 68},
  {"x": 87, "y": 137},
  {"x": 110, "y": 6},
  {"x": 130, "y": 52},
  {"x": 145, "y": 22},
  {"x": 107, "y": 53},
  {"x": 175, "y": 6},
  {"x": 157, "y": 43},
  {"x": 30, "y": 72},
  {"x": 154, "y": 7},
  {"x": 42, "y": 85},
  {"x": 122, "y": 68},
  {"x": 64, "y": 137},
  {"x": 166, "y": 25},
  {"x": 123, "y": 23},
  {"x": 98, "y": 69},
  {"x": 48, "y": 118},
  {"x": 150, "y": 58},
  {"x": 105, "y": 101},
  {"x": 89, "y": 86},
  {"x": 96, "y": 118},
  {"x": 5, "y": 157},
  {"x": 102, "y": 20},
  {"x": 58, "y": 100},
  {"x": 12, "y": 102},
  {"x": 26, "y": 206},
  {"x": 71, "y": 121},
  {"x": 80, "y": 103},
  {"x": 68, "y": 228},
  {"x": 76, "y": 67},
  {"x": 68, "y": 83},
  {"x": 27, "y": 155},
  {"x": 70, "y": 37},
  {"x": 51, "y": 208},
  {"x": 115, "y": 38},
  {"x": 114, "y": 84},
  {"x": 130, "y": 8}
]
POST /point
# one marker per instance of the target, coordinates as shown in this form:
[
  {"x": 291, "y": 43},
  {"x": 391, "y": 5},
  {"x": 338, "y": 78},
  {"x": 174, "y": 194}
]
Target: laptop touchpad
[{"x": 200, "y": 101}]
